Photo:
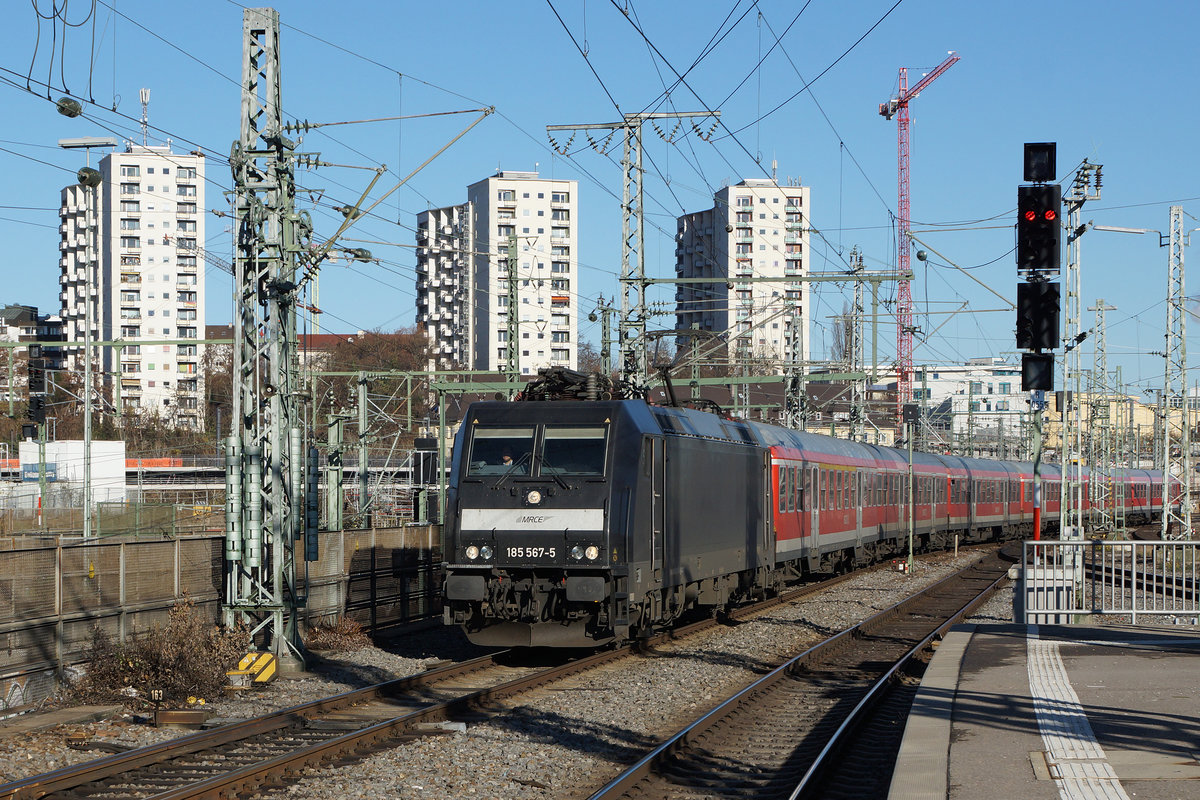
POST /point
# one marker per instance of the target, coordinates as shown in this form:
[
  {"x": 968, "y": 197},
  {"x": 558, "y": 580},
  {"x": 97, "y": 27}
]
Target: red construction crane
[{"x": 898, "y": 107}]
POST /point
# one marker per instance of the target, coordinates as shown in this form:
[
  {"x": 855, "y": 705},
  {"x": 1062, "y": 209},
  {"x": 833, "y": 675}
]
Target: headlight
[
  {"x": 472, "y": 552},
  {"x": 486, "y": 552},
  {"x": 577, "y": 553},
  {"x": 533, "y": 497},
  {"x": 592, "y": 552}
]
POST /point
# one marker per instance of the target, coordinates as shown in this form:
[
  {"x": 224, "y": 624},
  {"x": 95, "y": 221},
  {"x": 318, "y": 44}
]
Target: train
[{"x": 586, "y": 521}]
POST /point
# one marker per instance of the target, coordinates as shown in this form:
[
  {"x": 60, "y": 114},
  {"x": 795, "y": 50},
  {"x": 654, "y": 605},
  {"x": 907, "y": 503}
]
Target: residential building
[
  {"x": 755, "y": 230},
  {"x": 20, "y": 323},
  {"x": 463, "y": 278},
  {"x": 145, "y": 286}
]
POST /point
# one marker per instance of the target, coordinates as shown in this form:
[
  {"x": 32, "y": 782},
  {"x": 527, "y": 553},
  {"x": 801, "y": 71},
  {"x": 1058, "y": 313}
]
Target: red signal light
[
  {"x": 1031, "y": 215},
  {"x": 1050, "y": 214}
]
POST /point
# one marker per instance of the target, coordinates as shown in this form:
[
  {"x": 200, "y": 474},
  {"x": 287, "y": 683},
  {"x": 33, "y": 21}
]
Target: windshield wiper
[{"x": 512, "y": 468}]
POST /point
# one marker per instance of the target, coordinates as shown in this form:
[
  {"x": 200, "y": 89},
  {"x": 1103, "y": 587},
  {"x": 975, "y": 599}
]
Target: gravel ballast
[{"x": 560, "y": 742}]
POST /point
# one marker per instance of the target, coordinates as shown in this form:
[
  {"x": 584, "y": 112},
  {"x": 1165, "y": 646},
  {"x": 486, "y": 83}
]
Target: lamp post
[{"x": 90, "y": 179}]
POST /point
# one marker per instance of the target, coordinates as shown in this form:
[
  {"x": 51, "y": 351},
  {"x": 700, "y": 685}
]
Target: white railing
[{"x": 1064, "y": 580}]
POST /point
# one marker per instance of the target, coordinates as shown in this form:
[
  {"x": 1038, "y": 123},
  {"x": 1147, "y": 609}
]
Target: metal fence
[
  {"x": 55, "y": 591},
  {"x": 1063, "y": 581}
]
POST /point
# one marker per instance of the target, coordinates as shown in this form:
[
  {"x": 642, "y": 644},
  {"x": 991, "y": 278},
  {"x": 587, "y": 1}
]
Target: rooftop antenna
[
  {"x": 774, "y": 171},
  {"x": 145, "y": 96}
]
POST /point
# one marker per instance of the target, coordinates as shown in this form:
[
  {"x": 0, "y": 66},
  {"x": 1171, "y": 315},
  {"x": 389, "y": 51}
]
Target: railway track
[
  {"x": 240, "y": 757},
  {"x": 778, "y": 737}
]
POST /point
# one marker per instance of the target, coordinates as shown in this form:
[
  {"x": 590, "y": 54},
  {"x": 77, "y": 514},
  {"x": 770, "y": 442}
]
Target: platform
[{"x": 1056, "y": 711}]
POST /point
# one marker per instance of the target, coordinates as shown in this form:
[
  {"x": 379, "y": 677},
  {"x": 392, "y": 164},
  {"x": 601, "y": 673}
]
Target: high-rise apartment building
[
  {"x": 756, "y": 229},
  {"x": 463, "y": 278},
  {"x": 144, "y": 277}
]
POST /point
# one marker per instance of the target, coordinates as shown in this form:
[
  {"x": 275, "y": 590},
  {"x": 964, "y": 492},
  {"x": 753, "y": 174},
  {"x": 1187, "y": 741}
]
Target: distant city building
[
  {"x": 976, "y": 406},
  {"x": 463, "y": 274},
  {"x": 146, "y": 287},
  {"x": 19, "y": 323},
  {"x": 756, "y": 229}
]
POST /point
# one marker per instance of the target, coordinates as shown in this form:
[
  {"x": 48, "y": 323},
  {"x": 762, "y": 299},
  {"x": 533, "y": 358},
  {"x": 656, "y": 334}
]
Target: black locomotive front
[{"x": 527, "y": 530}]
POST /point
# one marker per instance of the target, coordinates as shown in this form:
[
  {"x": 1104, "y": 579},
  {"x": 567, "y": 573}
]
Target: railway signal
[
  {"x": 1039, "y": 228},
  {"x": 1037, "y": 315}
]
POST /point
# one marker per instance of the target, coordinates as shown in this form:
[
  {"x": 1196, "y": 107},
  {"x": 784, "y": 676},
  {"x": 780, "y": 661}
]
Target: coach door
[
  {"x": 812, "y": 498},
  {"x": 657, "y": 507}
]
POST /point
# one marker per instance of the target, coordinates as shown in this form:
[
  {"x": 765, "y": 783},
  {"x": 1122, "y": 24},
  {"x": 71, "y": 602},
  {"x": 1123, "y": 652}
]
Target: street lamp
[{"x": 90, "y": 179}]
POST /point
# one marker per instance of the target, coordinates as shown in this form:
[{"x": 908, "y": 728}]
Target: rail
[{"x": 1062, "y": 581}]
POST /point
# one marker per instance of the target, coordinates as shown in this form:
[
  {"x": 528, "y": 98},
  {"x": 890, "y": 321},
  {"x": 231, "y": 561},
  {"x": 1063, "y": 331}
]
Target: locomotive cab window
[
  {"x": 500, "y": 451},
  {"x": 573, "y": 451}
]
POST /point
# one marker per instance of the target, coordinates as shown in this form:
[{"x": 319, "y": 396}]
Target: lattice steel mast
[
  {"x": 1100, "y": 425},
  {"x": 1086, "y": 186},
  {"x": 265, "y": 453},
  {"x": 1175, "y": 390},
  {"x": 631, "y": 327}
]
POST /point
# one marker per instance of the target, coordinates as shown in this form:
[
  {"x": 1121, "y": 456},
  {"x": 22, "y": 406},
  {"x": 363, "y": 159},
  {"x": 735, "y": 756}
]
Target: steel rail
[
  {"x": 42, "y": 785},
  {"x": 714, "y": 717}
]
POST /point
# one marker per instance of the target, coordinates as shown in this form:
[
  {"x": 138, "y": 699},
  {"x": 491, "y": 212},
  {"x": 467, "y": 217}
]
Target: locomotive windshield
[
  {"x": 500, "y": 451},
  {"x": 573, "y": 451}
]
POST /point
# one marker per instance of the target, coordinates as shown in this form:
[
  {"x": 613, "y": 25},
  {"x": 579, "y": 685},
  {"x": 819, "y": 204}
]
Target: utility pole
[
  {"x": 266, "y": 479},
  {"x": 604, "y": 313},
  {"x": 1175, "y": 389},
  {"x": 631, "y": 329},
  {"x": 858, "y": 387},
  {"x": 1100, "y": 427},
  {"x": 1086, "y": 186}
]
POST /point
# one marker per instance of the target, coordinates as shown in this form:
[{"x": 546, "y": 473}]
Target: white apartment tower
[
  {"x": 146, "y": 286},
  {"x": 463, "y": 274},
  {"x": 756, "y": 229}
]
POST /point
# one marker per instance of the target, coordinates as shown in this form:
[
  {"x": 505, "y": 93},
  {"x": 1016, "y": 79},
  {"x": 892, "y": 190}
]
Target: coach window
[
  {"x": 573, "y": 451},
  {"x": 808, "y": 490},
  {"x": 824, "y": 488},
  {"x": 782, "y": 488},
  {"x": 500, "y": 451},
  {"x": 796, "y": 488},
  {"x": 847, "y": 490}
]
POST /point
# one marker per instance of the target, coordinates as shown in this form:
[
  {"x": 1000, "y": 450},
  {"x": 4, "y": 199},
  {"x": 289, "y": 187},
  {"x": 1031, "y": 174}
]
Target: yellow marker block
[{"x": 263, "y": 668}]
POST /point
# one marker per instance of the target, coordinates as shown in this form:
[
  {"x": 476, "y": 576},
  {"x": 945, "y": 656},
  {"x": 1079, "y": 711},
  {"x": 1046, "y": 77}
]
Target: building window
[
  {"x": 186, "y": 225},
  {"x": 131, "y": 206},
  {"x": 131, "y": 242},
  {"x": 560, "y": 214},
  {"x": 130, "y": 188},
  {"x": 560, "y": 336},
  {"x": 506, "y": 195},
  {"x": 560, "y": 233},
  {"x": 560, "y": 197},
  {"x": 130, "y": 171},
  {"x": 131, "y": 331},
  {"x": 131, "y": 225},
  {"x": 185, "y": 191},
  {"x": 184, "y": 173}
]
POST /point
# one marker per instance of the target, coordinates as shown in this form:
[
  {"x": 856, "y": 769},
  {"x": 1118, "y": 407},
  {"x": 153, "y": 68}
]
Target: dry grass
[
  {"x": 343, "y": 637},
  {"x": 186, "y": 658}
]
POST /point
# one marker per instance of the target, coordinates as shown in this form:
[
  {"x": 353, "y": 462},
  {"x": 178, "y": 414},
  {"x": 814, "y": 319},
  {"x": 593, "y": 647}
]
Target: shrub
[{"x": 187, "y": 657}]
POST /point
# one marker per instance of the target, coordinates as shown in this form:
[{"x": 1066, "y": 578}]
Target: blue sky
[{"x": 1106, "y": 80}]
